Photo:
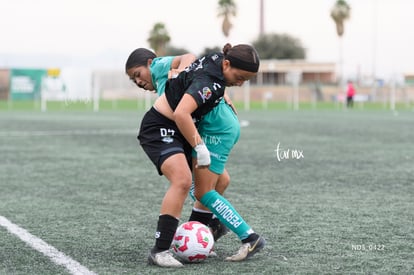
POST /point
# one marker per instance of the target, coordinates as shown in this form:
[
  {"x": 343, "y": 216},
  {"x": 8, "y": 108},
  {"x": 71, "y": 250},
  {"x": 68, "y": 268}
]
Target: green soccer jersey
[{"x": 159, "y": 68}]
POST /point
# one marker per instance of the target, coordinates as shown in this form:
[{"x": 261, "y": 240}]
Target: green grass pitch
[{"x": 330, "y": 190}]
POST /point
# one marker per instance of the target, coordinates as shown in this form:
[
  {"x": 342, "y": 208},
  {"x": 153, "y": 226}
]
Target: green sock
[{"x": 226, "y": 213}]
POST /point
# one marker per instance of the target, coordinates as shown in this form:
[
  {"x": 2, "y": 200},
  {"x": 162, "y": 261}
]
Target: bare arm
[
  {"x": 179, "y": 63},
  {"x": 184, "y": 121}
]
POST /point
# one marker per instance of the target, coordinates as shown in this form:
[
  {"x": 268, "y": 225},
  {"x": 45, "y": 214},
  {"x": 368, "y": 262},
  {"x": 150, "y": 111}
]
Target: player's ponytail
[{"x": 226, "y": 49}]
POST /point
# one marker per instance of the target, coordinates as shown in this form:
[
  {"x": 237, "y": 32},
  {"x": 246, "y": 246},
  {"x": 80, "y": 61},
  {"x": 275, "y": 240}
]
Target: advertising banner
[{"x": 26, "y": 84}]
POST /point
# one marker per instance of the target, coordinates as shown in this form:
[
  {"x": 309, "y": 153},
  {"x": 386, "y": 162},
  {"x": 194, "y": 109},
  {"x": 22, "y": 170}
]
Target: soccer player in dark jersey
[
  {"x": 151, "y": 73},
  {"x": 168, "y": 130}
]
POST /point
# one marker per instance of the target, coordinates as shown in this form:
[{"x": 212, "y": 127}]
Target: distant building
[
  {"x": 409, "y": 79},
  {"x": 273, "y": 81},
  {"x": 278, "y": 72}
]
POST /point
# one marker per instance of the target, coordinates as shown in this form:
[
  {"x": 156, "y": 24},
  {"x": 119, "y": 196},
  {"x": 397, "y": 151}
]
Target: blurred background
[
  {"x": 61, "y": 54},
  {"x": 72, "y": 172}
]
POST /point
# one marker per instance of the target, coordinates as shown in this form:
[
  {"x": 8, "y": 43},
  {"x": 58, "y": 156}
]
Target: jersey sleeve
[
  {"x": 160, "y": 67},
  {"x": 205, "y": 91}
]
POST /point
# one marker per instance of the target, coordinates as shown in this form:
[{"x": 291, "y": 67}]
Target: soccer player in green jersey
[{"x": 151, "y": 73}]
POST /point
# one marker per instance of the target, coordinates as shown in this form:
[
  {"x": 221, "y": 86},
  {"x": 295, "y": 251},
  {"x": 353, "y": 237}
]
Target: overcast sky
[{"x": 379, "y": 36}]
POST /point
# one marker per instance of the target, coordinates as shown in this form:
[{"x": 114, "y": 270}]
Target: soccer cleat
[
  {"x": 164, "y": 259},
  {"x": 247, "y": 250},
  {"x": 218, "y": 229}
]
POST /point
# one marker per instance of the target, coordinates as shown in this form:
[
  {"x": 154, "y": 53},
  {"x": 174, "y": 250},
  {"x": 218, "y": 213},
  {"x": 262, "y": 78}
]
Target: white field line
[
  {"x": 55, "y": 255},
  {"x": 85, "y": 132}
]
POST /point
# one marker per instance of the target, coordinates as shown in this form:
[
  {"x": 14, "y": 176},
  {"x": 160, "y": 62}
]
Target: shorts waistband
[{"x": 158, "y": 114}]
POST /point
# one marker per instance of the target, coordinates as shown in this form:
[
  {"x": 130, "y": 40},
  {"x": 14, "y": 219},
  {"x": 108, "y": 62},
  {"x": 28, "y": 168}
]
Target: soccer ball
[{"x": 193, "y": 242}]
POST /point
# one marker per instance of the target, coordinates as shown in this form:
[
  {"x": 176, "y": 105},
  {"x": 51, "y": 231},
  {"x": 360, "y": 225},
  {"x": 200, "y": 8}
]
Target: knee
[
  {"x": 224, "y": 180},
  {"x": 182, "y": 184},
  {"x": 180, "y": 180},
  {"x": 222, "y": 183}
]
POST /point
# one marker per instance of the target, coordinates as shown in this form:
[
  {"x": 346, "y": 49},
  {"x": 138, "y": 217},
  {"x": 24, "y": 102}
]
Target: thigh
[
  {"x": 160, "y": 139},
  {"x": 175, "y": 168}
]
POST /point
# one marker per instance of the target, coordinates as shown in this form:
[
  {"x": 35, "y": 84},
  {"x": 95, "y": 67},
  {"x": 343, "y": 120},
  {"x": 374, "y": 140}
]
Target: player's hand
[
  {"x": 232, "y": 107},
  {"x": 203, "y": 156},
  {"x": 173, "y": 73},
  {"x": 230, "y": 103}
]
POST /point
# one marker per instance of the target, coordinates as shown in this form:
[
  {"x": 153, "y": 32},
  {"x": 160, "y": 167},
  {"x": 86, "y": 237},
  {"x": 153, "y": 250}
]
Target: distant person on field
[{"x": 350, "y": 93}]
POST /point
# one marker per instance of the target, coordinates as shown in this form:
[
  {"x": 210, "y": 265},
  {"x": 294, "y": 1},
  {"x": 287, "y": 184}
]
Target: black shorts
[{"x": 160, "y": 139}]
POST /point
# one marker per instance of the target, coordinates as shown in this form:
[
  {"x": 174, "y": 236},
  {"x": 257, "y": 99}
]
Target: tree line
[{"x": 269, "y": 46}]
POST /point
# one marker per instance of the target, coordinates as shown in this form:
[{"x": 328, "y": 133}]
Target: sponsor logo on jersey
[
  {"x": 196, "y": 65},
  {"x": 205, "y": 93}
]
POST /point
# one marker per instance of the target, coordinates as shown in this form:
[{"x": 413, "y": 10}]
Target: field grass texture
[{"x": 331, "y": 191}]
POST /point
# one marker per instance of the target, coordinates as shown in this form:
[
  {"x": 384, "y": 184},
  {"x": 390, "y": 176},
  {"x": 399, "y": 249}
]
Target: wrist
[{"x": 200, "y": 144}]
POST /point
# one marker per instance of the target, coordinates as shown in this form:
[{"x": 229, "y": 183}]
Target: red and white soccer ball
[{"x": 193, "y": 242}]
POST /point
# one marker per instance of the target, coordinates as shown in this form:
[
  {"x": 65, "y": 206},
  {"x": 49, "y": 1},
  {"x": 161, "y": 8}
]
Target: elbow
[{"x": 179, "y": 116}]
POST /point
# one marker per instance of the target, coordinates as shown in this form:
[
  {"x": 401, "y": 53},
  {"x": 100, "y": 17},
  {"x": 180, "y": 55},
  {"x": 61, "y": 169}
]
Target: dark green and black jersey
[{"x": 203, "y": 79}]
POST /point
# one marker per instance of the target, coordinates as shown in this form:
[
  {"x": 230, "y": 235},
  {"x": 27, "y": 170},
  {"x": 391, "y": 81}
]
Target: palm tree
[
  {"x": 159, "y": 38},
  {"x": 340, "y": 12},
  {"x": 227, "y": 8}
]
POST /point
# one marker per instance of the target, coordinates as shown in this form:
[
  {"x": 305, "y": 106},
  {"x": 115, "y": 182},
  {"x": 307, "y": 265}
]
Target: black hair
[
  {"x": 139, "y": 57},
  {"x": 242, "y": 56}
]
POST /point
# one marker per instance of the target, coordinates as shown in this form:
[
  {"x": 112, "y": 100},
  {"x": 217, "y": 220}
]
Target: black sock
[
  {"x": 214, "y": 222},
  {"x": 167, "y": 225},
  {"x": 202, "y": 217},
  {"x": 252, "y": 237}
]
